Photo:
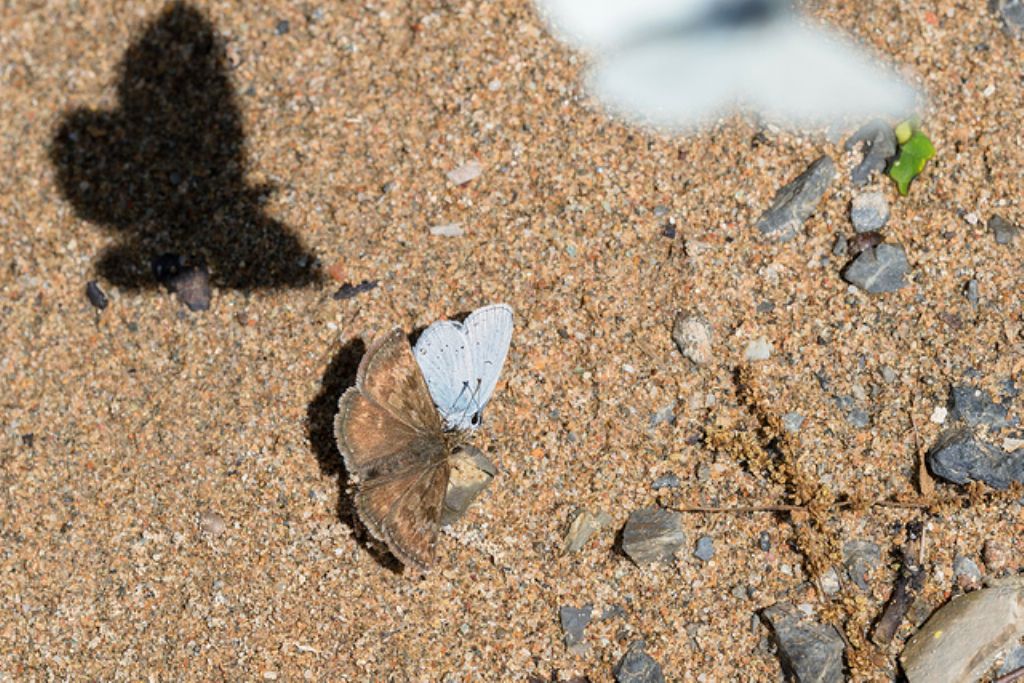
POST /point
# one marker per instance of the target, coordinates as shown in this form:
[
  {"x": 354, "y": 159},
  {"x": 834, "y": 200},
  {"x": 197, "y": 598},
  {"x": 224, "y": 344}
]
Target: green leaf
[{"x": 914, "y": 153}]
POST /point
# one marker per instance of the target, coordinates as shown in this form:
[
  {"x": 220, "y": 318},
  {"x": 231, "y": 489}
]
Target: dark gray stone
[
  {"x": 869, "y": 212},
  {"x": 190, "y": 282},
  {"x": 471, "y": 473},
  {"x": 975, "y": 407},
  {"x": 879, "y": 269},
  {"x": 636, "y": 666},
  {"x": 652, "y": 534},
  {"x": 574, "y": 622},
  {"x": 666, "y": 481},
  {"x": 958, "y": 456},
  {"x": 879, "y": 147},
  {"x": 764, "y": 541},
  {"x": 808, "y": 651},
  {"x": 840, "y": 246},
  {"x": 95, "y": 295},
  {"x": 705, "y": 549},
  {"x": 859, "y": 418},
  {"x": 971, "y": 292},
  {"x": 797, "y": 200},
  {"x": 1003, "y": 230},
  {"x": 860, "y": 558}
]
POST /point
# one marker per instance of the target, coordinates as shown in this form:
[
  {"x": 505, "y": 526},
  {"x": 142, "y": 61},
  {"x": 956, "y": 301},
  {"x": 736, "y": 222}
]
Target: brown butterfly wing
[{"x": 389, "y": 434}]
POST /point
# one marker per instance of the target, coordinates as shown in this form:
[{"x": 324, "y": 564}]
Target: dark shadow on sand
[{"x": 165, "y": 170}]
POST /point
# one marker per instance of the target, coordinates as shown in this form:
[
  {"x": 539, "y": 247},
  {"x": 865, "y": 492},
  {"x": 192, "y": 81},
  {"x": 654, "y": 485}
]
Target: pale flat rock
[
  {"x": 471, "y": 473},
  {"x": 448, "y": 230},
  {"x": 966, "y": 636},
  {"x": 584, "y": 525},
  {"x": 465, "y": 173}
]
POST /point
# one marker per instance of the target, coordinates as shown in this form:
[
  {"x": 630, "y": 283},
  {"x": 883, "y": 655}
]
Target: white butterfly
[
  {"x": 461, "y": 363},
  {"x": 677, "y": 64}
]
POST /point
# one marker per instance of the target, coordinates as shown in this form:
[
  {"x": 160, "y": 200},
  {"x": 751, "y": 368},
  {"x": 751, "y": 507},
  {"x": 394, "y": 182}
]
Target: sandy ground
[{"x": 171, "y": 504}]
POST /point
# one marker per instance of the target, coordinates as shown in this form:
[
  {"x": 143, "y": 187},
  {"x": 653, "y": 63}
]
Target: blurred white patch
[{"x": 678, "y": 64}]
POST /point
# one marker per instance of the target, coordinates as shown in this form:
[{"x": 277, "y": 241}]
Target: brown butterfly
[{"x": 393, "y": 442}]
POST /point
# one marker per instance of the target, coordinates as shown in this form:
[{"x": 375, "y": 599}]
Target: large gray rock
[
  {"x": 797, "y": 200},
  {"x": 636, "y": 666},
  {"x": 1012, "y": 12},
  {"x": 878, "y": 269},
  {"x": 960, "y": 457},
  {"x": 879, "y": 147},
  {"x": 652, "y": 534},
  {"x": 966, "y": 636},
  {"x": 809, "y": 652}
]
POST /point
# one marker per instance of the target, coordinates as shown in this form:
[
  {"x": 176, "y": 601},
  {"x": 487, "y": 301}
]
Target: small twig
[
  {"x": 1015, "y": 675},
  {"x": 912, "y": 505}
]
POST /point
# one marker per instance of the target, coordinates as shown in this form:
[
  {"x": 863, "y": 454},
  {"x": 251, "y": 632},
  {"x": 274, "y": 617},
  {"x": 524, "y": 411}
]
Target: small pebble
[
  {"x": 796, "y": 201},
  {"x": 282, "y": 27},
  {"x": 995, "y": 556},
  {"x": 879, "y": 269},
  {"x": 758, "y": 350},
  {"x": 792, "y": 422},
  {"x": 652, "y": 535},
  {"x": 574, "y": 621},
  {"x": 190, "y": 282},
  {"x": 348, "y": 291},
  {"x": 212, "y": 523},
  {"x": 840, "y": 246},
  {"x": 808, "y": 651},
  {"x": 584, "y": 525},
  {"x": 976, "y": 407},
  {"x": 869, "y": 212},
  {"x": 705, "y": 549},
  {"x": 636, "y": 666},
  {"x": 939, "y": 415},
  {"x": 692, "y": 336},
  {"x": 879, "y": 147},
  {"x": 465, "y": 173},
  {"x": 830, "y": 581},
  {"x": 666, "y": 481},
  {"x": 971, "y": 292},
  {"x": 863, "y": 240},
  {"x": 764, "y": 541},
  {"x": 95, "y": 295},
  {"x": 966, "y": 571},
  {"x": 1003, "y": 230},
  {"x": 448, "y": 230}
]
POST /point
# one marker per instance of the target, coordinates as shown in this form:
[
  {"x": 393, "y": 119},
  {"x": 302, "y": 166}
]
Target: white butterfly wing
[
  {"x": 443, "y": 354},
  {"x": 804, "y": 75},
  {"x": 598, "y": 24},
  {"x": 791, "y": 74},
  {"x": 461, "y": 362},
  {"x": 489, "y": 330}
]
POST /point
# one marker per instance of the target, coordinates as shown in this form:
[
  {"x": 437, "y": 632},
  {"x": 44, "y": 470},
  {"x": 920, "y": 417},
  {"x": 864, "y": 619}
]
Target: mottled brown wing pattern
[
  {"x": 390, "y": 436},
  {"x": 390, "y": 376},
  {"x": 404, "y": 511}
]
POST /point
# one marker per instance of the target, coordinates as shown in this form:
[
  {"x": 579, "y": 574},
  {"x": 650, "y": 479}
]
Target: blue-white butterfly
[
  {"x": 678, "y": 64},
  {"x": 461, "y": 363}
]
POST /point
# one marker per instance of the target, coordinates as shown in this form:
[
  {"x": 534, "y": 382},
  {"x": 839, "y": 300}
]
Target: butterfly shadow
[
  {"x": 320, "y": 413},
  {"x": 165, "y": 170}
]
